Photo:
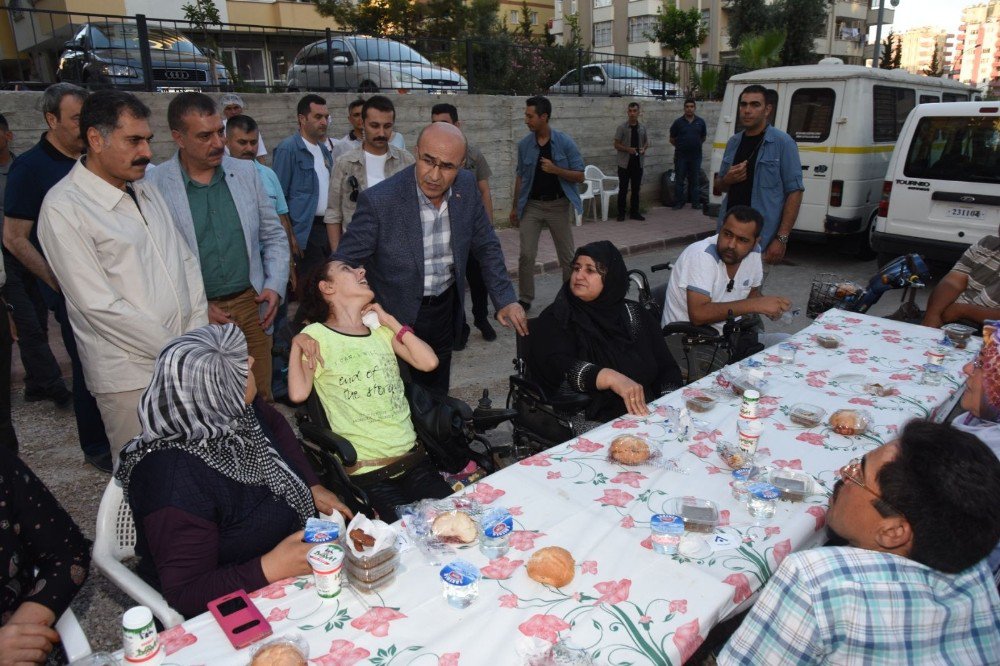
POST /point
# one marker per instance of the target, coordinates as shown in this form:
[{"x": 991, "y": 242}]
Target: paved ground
[{"x": 48, "y": 436}]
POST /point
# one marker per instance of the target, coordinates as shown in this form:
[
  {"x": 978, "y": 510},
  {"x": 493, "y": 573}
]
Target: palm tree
[{"x": 763, "y": 50}]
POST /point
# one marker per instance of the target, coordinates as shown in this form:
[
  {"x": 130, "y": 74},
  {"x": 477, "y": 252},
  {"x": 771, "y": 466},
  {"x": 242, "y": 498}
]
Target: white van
[
  {"x": 942, "y": 190},
  {"x": 845, "y": 120}
]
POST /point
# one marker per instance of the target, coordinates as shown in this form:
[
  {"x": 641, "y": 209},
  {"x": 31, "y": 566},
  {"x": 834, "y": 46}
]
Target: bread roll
[
  {"x": 454, "y": 526},
  {"x": 847, "y": 422},
  {"x": 279, "y": 654},
  {"x": 552, "y": 566},
  {"x": 629, "y": 450}
]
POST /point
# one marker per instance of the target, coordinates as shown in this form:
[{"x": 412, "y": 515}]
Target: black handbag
[{"x": 439, "y": 422}]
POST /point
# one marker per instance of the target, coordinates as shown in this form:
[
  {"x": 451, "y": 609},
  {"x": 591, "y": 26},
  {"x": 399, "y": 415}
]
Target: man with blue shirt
[
  {"x": 686, "y": 136},
  {"x": 920, "y": 515},
  {"x": 549, "y": 168},
  {"x": 761, "y": 168}
]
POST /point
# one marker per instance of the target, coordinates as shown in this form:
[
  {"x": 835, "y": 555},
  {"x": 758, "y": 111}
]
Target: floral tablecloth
[{"x": 626, "y": 604}]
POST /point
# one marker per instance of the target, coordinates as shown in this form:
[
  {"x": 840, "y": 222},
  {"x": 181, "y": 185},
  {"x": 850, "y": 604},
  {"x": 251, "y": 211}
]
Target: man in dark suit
[{"x": 414, "y": 232}]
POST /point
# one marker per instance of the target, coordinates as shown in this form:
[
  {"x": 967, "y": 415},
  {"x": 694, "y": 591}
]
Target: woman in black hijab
[{"x": 592, "y": 340}]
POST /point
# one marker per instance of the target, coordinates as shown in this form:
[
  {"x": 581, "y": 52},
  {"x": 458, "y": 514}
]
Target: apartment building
[
  {"x": 622, "y": 27},
  {"x": 976, "y": 59},
  {"x": 920, "y": 44}
]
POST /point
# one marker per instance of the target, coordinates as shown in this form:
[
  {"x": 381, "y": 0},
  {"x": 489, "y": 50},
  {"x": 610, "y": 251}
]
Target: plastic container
[
  {"x": 958, "y": 334},
  {"x": 700, "y": 403},
  {"x": 460, "y": 583},
  {"x": 932, "y": 375},
  {"x": 793, "y": 485},
  {"x": 376, "y": 573},
  {"x": 742, "y": 477},
  {"x": 372, "y": 586},
  {"x": 936, "y": 355},
  {"x": 140, "y": 642},
  {"x": 354, "y": 562},
  {"x": 748, "y": 408},
  {"x": 369, "y": 573},
  {"x": 762, "y": 500},
  {"x": 806, "y": 415},
  {"x": 699, "y": 515},
  {"x": 732, "y": 455},
  {"x": 828, "y": 340},
  {"x": 665, "y": 532},
  {"x": 786, "y": 352},
  {"x": 495, "y": 526},
  {"x": 327, "y": 561},
  {"x": 748, "y": 435},
  {"x": 879, "y": 390},
  {"x": 850, "y": 422}
]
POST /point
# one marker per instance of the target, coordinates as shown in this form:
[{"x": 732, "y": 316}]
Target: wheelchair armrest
[
  {"x": 563, "y": 401},
  {"x": 687, "y": 328},
  {"x": 329, "y": 441},
  {"x": 459, "y": 406}
]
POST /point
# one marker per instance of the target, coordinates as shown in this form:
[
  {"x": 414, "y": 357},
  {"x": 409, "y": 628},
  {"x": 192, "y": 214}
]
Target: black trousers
[
  {"x": 31, "y": 316},
  {"x": 8, "y": 438},
  {"x": 435, "y": 325},
  {"x": 626, "y": 177},
  {"x": 477, "y": 289},
  {"x": 421, "y": 482}
]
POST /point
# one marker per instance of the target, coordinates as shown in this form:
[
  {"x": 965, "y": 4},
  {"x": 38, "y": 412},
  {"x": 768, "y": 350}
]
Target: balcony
[
  {"x": 887, "y": 15},
  {"x": 851, "y": 9}
]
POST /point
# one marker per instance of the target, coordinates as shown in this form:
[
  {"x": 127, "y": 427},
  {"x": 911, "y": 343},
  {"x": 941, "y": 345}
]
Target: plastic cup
[
  {"x": 762, "y": 499},
  {"x": 786, "y": 352},
  {"x": 748, "y": 408},
  {"x": 140, "y": 642},
  {"x": 460, "y": 583},
  {"x": 936, "y": 355},
  {"x": 326, "y": 561},
  {"x": 665, "y": 532},
  {"x": 495, "y": 527},
  {"x": 932, "y": 375}
]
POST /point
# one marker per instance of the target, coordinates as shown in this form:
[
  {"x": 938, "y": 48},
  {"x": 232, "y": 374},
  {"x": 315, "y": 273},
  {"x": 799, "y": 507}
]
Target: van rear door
[
  {"x": 949, "y": 186},
  {"x": 808, "y": 111}
]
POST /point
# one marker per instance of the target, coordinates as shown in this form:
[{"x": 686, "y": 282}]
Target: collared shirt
[
  {"x": 273, "y": 187},
  {"x": 130, "y": 282},
  {"x": 777, "y": 173},
  {"x": 623, "y": 135},
  {"x": 296, "y": 171},
  {"x": 218, "y": 230},
  {"x": 846, "y": 605},
  {"x": 32, "y": 174},
  {"x": 981, "y": 263},
  {"x": 700, "y": 269},
  {"x": 439, "y": 260},
  {"x": 340, "y": 209},
  {"x": 688, "y": 135},
  {"x": 565, "y": 154}
]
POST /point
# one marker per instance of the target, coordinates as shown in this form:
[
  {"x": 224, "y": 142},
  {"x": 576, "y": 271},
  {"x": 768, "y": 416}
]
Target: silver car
[
  {"x": 368, "y": 65},
  {"x": 610, "y": 79}
]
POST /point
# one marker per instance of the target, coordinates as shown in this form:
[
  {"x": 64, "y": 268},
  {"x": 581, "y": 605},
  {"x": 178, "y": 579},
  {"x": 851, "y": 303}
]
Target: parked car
[
  {"x": 368, "y": 65},
  {"x": 107, "y": 53},
  {"x": 611, "y": 79}
]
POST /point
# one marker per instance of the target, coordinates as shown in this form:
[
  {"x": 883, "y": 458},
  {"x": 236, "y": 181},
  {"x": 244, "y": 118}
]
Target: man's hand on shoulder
[{"x": 512, "y": 316}]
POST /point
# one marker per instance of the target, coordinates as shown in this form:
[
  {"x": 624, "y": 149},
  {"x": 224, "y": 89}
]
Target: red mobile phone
[{"x": 239, "y": 618}]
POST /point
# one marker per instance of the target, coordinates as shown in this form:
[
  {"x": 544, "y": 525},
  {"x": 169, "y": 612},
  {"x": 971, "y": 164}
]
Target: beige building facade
[
  {"x": 976, "y": 59},
  {"x": 920, "y": 44}
]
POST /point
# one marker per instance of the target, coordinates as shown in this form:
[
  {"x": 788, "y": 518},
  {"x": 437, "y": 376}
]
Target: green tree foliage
[
  {"x": 763, "y": 50},
  {"x": 897, "y": 55},
  {"x": 407, "y": 21},
  {"x": 885, "y": 53},
  {"x": 935, "y": 69},
  {"x": 678, "y": 30},
  {"x": 524, "y": 25},
  {"x": 803, "y": 22},
  {"x": 202, "y": 14},
  {"x": 572, "y": 21}
]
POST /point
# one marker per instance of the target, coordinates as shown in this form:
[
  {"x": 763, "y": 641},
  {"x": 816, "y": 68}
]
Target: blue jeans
[{"x": 688, "y": 169}]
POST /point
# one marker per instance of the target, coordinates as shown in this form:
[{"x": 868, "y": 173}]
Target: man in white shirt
[
  {"x": 721, "y": 275},
  {"x": 352, "y": 139},
  {"x": 131, "y": 283},
  {"x": 232, "y": 106},
  {"x": 363, "y": 167}
]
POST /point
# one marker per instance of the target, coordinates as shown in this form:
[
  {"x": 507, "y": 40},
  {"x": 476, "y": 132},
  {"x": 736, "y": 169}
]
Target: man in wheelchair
[
  {"x": 720, "y": 276},
  {"x": 353, "y": 369}
]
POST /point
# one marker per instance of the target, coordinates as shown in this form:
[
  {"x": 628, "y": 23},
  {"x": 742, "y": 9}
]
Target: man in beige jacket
[
  {"x": 131, "y": 284},
  {"x": 363, "y": 167}
]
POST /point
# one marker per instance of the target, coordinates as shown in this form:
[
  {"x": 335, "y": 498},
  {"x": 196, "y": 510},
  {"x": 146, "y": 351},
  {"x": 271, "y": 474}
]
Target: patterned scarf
[
  {"x": 989, "y": 356},
  {"x": 195, "y": 403}
]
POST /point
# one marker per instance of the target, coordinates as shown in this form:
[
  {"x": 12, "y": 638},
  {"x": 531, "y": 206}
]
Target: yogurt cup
[
  {"x": 326, "y": 561},
  {"x": 140, "y": 642}
]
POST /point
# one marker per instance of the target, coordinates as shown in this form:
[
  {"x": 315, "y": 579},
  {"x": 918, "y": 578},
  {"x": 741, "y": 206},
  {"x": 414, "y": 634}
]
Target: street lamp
[{"x": 878, "y": 30}]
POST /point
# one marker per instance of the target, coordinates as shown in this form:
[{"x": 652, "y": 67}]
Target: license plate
[{"x": 966, "y": 213}]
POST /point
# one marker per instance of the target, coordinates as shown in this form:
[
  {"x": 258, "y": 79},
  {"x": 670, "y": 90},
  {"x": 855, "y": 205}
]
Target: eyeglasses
[
  {"x": 854, "y": 473},
  {"x": 353, "y": 182},
  {"x": 434, "y": 164}
]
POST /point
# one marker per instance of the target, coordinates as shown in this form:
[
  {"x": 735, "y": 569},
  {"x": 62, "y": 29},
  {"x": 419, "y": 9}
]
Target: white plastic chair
[
  {"x": 113, "y": 542},
  {"x": 71, "y": 636},
  {"x": 606, "y": 186},
  {"x": 586, "y": 196}
]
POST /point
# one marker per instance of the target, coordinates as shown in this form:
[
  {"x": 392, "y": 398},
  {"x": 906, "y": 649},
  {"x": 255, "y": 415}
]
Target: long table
[{"x": 626, "y": 604}]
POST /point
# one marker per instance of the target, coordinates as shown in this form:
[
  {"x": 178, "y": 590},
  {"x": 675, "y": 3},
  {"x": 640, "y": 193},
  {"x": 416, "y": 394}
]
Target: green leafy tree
[
  {"x": 707, "y": 82},
  {"x": 885, "y": 53},
  {"x": 572, "y": 21},
  {"x": 399, "y": 19},
  {"x": 897, "y": 55},
  {"x": 202, "y": 14},
  {"x": 763, "y": 50},
  {"x": 679, "y": 31},
  {"x": 935, "y": 69},
  {"x": 803, "y": 21},
  {"x": 748, "y": 18}
]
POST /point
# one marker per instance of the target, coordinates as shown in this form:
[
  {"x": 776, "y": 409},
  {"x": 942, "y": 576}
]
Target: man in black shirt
[
  {"x": 631, "y": 142},
  {"x": 686, "y": 136}
]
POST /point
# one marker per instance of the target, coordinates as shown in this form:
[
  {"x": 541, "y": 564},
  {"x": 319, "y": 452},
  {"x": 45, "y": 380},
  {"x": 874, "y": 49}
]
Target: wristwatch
[{"x": 783, "y": 239}]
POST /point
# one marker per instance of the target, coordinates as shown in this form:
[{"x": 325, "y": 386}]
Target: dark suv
[{"x": 108, "y": 54}]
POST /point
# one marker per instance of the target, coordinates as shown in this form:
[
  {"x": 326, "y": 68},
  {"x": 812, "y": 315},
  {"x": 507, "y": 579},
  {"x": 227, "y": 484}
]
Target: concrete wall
[{"x": 493, "y": 123}]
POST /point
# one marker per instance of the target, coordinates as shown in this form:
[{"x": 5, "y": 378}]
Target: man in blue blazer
[{"x": 414, "y": 232}]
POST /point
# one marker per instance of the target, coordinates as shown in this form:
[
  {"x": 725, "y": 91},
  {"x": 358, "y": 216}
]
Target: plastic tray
[
  {"x": 806, "y": 415},
  {"x": 372, "y": 586},
  {"x": 352, "y": 561},
  {"x": 699, "y": 515},
  {"x": 794, "y": 486},
  {"x": 372, "y": 574}
]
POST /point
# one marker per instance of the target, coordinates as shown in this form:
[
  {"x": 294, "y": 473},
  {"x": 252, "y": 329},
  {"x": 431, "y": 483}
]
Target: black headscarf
[{"x": 601, "y": 326}]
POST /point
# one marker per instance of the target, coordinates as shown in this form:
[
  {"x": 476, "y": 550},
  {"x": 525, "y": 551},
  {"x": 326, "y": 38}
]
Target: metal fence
[{"x": 143, "y": 53}]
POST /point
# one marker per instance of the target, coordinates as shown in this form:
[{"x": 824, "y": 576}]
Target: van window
[
  {"x": 963, "y": 148},
  {"x": 955, "y": 97},
  {"x": 929, "y": 99},
  {"x": 810, "y": 114},
  {"x": 890, "y": 107}
]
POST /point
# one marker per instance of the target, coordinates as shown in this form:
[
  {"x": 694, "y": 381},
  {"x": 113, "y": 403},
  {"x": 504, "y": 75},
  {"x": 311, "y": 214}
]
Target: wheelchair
[
  {"x": 329, "y": 453},
  {"x": 700, "y": 350}
]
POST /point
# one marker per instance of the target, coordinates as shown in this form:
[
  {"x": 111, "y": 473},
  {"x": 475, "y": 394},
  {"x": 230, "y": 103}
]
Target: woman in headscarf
[
  {"x": 218, "y": 485},
  {"x": 981, "y": 400},
  {"x": 591, "y": 340}
]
